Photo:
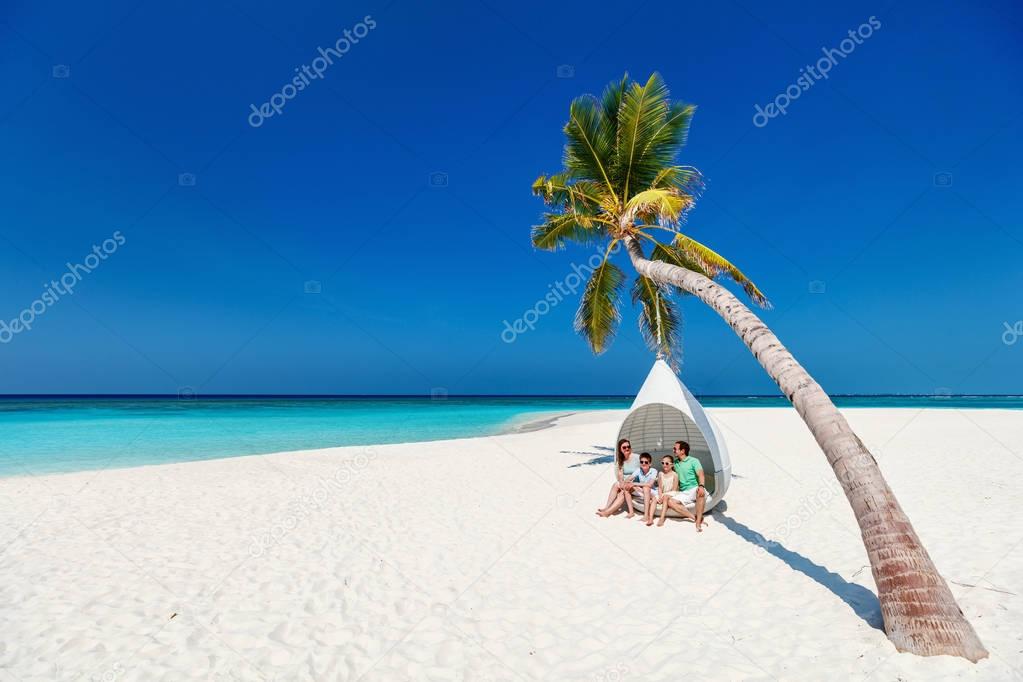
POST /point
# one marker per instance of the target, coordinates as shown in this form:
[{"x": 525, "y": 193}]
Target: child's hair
[
  {"x": 619, "y": 455},
  {"x": 645, "y": 455}
]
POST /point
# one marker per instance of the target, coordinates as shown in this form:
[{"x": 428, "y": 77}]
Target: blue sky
[{"x": 208, "y": 289}]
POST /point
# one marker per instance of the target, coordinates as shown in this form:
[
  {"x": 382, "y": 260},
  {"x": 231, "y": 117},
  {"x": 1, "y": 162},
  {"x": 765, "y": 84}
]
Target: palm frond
[
  {"x": 659, "y": 319},
  {"x": 558, "y": 228},
  {"x": 587, "y": 151},
  {"x": 611, "y": 103},
  {"x": 642, "y": 113},
  {"x": 598, "y": 315},
  {"x": 550, "y": 188},
  {"x": 669, "y": 254},
  {"x": 665, "y": 142},
  {"x": 666, "y": 205},
  {"x": 715, "y": 265},
  {"x": 686, "y": 179},
  {"x": 581, "y": 196}
]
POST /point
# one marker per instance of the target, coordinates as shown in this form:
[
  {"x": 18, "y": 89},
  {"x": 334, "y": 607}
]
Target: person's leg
[
  {"x": 701, "y": 499},
  {"x": 615, "y": 487},
  {"x": 615, "y": 505},
  {"x": 681, "y": 509},
  {"x": 603, "y": 510},
  {"x": 648, "y": 506},
  {"x": 628, "y": 502},
  {"x": 665, "y": 501}
]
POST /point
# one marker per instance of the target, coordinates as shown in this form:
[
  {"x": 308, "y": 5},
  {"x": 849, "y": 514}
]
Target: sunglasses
[{"x": 626, "y": 447}]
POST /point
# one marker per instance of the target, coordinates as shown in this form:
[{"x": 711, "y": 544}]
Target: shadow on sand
[
  {"x": 596, "y": 457},
  {"x": 861, "y": 600}
]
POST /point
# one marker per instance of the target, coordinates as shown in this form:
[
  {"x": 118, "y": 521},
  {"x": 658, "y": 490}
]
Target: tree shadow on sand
[
  {"x": 597, "y": 457},
  {"x": 861, "y": 600}
]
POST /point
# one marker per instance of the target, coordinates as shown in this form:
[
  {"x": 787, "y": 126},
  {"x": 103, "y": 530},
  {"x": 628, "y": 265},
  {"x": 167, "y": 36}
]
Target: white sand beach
[{"x": 482, "y": 559}]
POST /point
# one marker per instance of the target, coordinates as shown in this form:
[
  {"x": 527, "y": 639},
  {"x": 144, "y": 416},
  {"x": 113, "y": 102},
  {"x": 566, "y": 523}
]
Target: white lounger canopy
[{"x": 665, "y": 411}]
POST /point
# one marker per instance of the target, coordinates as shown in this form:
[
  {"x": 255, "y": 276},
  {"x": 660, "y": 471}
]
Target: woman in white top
[{"x": 626, "y": 463}]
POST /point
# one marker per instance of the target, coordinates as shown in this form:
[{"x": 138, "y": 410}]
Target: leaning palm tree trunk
[{"x": 920, "y": 614}]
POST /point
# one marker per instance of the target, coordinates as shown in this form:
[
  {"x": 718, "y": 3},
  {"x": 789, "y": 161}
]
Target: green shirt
[{"x": 686, "y": 470}]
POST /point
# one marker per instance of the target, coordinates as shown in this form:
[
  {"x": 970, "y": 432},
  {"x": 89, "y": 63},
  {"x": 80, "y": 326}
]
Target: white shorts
[{"x": 686, "y": 496}]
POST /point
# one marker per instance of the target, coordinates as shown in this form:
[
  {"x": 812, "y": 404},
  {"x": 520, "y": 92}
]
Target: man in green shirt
[{"x": 690, "y": 482}]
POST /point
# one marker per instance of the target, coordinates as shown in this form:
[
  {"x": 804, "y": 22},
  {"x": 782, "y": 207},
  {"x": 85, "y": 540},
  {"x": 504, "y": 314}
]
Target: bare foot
[
  {"x": 603, "y": 514},
  {"x": 660, "y": 522},
  {"x": 650, "y": 523},
  {"x": 630, "y": 515},
  {"x": 699, "y": 527}
]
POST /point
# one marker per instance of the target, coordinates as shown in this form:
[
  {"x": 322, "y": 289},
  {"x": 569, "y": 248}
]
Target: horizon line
[{"x": 202, "y": 396}]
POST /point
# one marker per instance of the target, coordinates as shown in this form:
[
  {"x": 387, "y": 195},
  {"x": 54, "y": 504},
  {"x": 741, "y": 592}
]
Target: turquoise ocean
[{"x": 58, "y": 434}]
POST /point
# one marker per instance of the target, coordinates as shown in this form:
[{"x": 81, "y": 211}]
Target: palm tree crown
[{"x": 621, "y": 180}]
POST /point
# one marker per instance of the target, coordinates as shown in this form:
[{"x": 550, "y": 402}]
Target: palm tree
[{"x": 621, "y": 186}]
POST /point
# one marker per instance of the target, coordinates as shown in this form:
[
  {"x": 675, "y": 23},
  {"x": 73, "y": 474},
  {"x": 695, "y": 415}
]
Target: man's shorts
[{"x": 686, "y": 497}]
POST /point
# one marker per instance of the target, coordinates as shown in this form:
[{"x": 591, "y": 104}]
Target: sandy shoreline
[
  {"x": 534, "y": 423},
  {"x": 553, "y": 419},
  {"x": 480, "y": 559}
]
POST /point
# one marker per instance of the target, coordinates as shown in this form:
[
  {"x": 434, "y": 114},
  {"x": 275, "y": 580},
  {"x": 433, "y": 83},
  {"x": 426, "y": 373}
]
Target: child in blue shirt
[{"x": 644, "y": 478}]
